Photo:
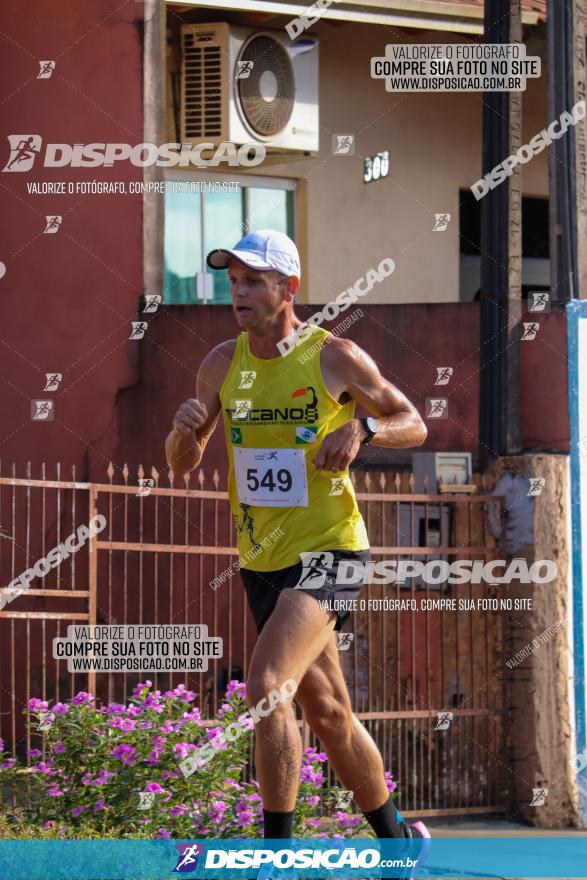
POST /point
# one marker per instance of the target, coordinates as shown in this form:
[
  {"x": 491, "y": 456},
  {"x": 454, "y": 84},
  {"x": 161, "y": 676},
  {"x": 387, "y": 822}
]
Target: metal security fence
[{"x": 427, "y": 683}]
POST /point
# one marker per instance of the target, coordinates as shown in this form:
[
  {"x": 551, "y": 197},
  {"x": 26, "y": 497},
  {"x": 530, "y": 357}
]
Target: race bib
[{"x": 271, "y": 477}]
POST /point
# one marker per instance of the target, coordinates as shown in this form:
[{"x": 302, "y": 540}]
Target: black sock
[
  {"x": 277, "y": 825},
  {"x": 386, "y": 820}
]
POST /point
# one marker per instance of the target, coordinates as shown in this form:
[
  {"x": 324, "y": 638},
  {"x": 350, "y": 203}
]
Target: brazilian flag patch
[{"x": 236, "y": 436}]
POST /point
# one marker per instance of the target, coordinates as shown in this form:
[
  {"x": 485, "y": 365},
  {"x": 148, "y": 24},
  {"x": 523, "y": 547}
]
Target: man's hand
[
  {"x": 192, "y": 414},
  {"x": 340, "y": 447}
]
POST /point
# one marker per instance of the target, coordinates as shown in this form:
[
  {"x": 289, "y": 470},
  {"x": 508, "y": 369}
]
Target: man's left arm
[{"x": 348, "y": 369}]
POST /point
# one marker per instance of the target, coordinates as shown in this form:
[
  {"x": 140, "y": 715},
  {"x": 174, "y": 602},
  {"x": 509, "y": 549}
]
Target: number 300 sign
[{"x": 376, "y": 166}]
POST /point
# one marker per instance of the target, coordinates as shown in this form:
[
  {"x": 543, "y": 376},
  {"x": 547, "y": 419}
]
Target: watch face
[{"x": 372, "y": 424}]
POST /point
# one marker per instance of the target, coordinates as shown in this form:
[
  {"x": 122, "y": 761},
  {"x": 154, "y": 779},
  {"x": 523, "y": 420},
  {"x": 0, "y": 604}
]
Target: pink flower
[
  {"x": 178, "y": 810},
  {"x": 122, "y": 723},
  {"x": 59, "y": 748},
  {"x": 54, "y": 791},
  {"x": 391, "y": 785},
  {"x": 236, "y": 688},
  {"x": 217, "y": 810},
  {"x": 33, "y": 753},
  {"x": 99, "y": 805},
  {"x": 10, "y": 762},
  {"x": 36, "y": 705},
  {"x": 125, "y": 753},
  {"x": 134, "y": 710},
  {"x": 102, "y": 778},
  {"x": 180, "y": 750},
  {"x": 167, "y": 726},
  {"x": 154, "y": 786},
  {"x": 141, "y": 686},
  {"x": 193, "y": 715},
  {"x": 45, "y": 768},
  {"x": 82, "y": 698},
  {"x": 60, "y": 708},
  {"x": 115, "y": 708},
  {"x": 77, "y": 811},
  {"x": 313, "y": 800},
  {"x": 163, "y": 832},
  {"x": 2, "y": 745},
  {"x": 181, "y": 693},
  {"x": 144, "y": 725},
  {"x": 246, "y": 722}
]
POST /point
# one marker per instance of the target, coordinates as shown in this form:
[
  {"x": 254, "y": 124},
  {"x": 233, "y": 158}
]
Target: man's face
[{"x": 256, "y": 294}]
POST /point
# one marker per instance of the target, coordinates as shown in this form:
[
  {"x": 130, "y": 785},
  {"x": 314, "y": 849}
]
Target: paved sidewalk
[{"x": 483, "y": 827}]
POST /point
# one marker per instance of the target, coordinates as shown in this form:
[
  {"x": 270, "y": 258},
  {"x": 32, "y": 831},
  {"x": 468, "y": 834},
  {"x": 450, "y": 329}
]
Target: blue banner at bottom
[{"x": 509, "y": 857}]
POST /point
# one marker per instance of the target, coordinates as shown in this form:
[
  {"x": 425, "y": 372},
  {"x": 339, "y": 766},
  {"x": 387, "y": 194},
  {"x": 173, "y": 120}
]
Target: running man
[{"x": 291, "y": 435}]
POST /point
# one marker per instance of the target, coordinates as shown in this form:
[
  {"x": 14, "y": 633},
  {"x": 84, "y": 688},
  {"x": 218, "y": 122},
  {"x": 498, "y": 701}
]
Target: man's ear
[{"x": 291, "y": 288}]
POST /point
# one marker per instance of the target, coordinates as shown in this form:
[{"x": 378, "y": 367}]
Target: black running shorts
[{"x": 316, "y": 576}]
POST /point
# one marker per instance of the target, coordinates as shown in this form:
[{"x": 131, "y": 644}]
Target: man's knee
[
  {"x": 327, "y": 717},
  {"x": 267, "y": 692}
]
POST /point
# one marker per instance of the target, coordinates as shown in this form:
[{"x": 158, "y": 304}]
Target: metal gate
[{"x": 427, "y": 684}]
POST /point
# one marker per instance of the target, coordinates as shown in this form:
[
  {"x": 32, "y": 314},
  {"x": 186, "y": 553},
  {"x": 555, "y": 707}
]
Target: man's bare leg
[
  {"x": 294, "y": 636},
  {"x": 353, "y": 755}
]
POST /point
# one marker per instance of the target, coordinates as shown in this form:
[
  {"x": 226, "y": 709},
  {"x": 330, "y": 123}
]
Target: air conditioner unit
[{"x": 276, "y": 104}]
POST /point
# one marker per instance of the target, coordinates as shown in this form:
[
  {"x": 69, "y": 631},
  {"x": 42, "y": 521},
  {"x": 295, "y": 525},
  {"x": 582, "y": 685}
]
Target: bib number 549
[{"x": 271, "y": 480}]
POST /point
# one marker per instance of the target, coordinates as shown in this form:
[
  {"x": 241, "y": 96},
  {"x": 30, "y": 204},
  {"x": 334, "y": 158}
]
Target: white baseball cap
[{"x": 263, "y": 249}]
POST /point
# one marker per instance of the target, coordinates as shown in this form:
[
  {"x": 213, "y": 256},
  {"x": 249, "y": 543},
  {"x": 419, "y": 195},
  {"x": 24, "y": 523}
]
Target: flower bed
[{"x": 114, "y": 771}]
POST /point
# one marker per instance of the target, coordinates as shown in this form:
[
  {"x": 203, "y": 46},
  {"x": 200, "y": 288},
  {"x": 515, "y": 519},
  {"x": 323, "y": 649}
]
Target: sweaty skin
[{"x": 298, "y": 641}]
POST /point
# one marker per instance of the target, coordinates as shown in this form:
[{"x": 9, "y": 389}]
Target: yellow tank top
[{"x": 276, "y": 413}]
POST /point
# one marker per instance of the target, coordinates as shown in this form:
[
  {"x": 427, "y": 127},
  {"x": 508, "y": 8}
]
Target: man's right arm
[{"x": 196, "y": 418}]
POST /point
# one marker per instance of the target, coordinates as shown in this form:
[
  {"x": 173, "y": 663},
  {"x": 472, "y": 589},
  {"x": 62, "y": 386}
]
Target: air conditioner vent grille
[
  {"x": 202, "y": 88},
  {"x": 267, "y": 95}
]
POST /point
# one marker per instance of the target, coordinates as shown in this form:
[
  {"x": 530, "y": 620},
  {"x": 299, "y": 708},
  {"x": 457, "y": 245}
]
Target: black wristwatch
[{"x": 371, "y": 427}]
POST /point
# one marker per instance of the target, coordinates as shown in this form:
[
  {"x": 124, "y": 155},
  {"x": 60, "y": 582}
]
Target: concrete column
[{"x": 538, "y": 687}]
